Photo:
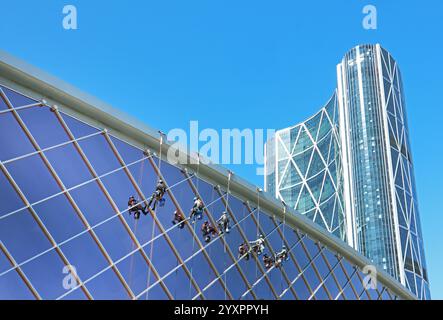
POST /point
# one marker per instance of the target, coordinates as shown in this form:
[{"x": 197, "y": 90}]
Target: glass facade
[
  {"x": 383, "y": 195},
  {"x": 370, "y": 183},
  {"x": 303, "y": 168},
  {"x": 65, "y": 230},
  {"x": 367, "y": 155}
]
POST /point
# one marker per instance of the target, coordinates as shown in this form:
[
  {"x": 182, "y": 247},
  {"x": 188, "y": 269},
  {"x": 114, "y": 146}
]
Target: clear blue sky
[{"x": 241, "y": 64}]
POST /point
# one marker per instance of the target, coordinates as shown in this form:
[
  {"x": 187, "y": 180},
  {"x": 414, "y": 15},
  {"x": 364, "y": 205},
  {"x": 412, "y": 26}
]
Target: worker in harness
[
  {"x": 178, "y": 219},
  {"x": 223, "y": 223},
  {"x": 157, "y": 196},
  {"x": 268, "y": 261},
  {"x": 281, "y": 256},
  {"x": 136, "y": 209},
  {"x": 243, "y": 250},
  {"x": 208, "y": 230},
  {"x": 257, "y": 246},
  {"x": 197, "y": 210}
]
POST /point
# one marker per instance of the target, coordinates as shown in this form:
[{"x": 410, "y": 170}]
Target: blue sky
[{"x": 241, "y": 64}]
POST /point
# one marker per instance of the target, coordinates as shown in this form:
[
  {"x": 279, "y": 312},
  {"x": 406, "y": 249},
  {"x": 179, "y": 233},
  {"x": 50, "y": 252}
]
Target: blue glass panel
[
  {"x": 12, "y": 287},
  {"x": 115, "y": 238},
  {"x": 9, "y": 199},
  {"x": 95, "y": 210},
  {"x": 85, "y": 256},
  {"x": 340, "y": 276},
  {"x": 46, "y": 274},
  {"x": 22, "y": 237},
  {"x": 216, "y": 292},
  {"x": 237, "y": 207},
  {"x": 321, "y": 294},
  {"x": 59, "y": 218},
  {"x": 266, "y": 223},
  {"x": 13, "y": 141},
  {"x": 155, "y": 293},
  {"x": 201, "y": 272},
  {"x": 162, "y": 256},
  {"x": 4, "y": 263},
  {"x": 219, "y": 255},
  {"x": 332, "y": 286},
  {"x": 248, "y": 296},
  {"x": 311, "y": 277},
  {"x": 143, "y": 173},
  {"x": 27, "y": 171},
  {"x": 77, "y": 294},
  {"x": 180, "y": 285},
  {"x": 278, "y": 281},
  {"x": 274, "y": 240},
  {"x": 3, "y": 105},
  {"x": 263, "y": 290},
  {"x": 301, "y": 257},
  {"x": 301, "y": 289},
  {"x": 128, "y": 152},
  {"x": 135, "y": 270},
  {"x": 44, "y": 126},
  {"x": 107, "y": 287},
  {"x": 172, "y": 174},
  {"x": 100, "y": 154},
  {"x": 69, "y": 165},
  {"x": 17, "y": 99},
  {"x": 235, "y": 283},
  {"x": 290, "y": 236},
  {"x": 290, "y": 267},
  {"x": 287, "y": 295},
  {"x": 311, "y": 246},
  {"x": 78, "y": 128},
  {"x": 321, "y": 266},
  {"x": 349, "y": 293}
]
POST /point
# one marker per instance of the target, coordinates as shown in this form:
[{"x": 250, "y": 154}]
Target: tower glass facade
[
  {"x": 65, "y": 230},
  {"x": 304, "y": 169},
  {"x": 374, "y": 167}
]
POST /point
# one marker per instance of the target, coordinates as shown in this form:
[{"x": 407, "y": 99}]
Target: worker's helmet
[
  {"x": 195, "y": 198},
  {"x": 160, "y": 180}
]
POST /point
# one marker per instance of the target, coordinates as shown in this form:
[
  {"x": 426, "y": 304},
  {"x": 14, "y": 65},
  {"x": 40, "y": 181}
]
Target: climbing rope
[
  {"x": 258, "y": 224},
  {"x": 194, "y": 223},
  {"x": 283, "y": 242},
  {"x": 153, "y": 214},
  {"x": 131, "y": 265},
  {"x": 228, "y": 191}
]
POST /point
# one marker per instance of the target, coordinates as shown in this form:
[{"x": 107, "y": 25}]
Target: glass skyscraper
[
  {"x": 305, "y": 170},
  {"x": 375, "y": 205},
  {"x": 68, "y": 165}
]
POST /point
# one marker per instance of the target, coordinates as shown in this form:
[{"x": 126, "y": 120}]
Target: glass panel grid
[{"x": 132, "y": 267}]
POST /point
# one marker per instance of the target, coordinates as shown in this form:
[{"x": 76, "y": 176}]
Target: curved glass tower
[
  {"x": 373, "y": 166},
  {"x": 306, "y": 170}
]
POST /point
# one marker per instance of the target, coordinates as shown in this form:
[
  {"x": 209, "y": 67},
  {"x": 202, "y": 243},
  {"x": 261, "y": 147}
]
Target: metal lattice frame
[{"x": 164, "y": 233}]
